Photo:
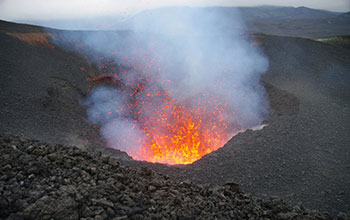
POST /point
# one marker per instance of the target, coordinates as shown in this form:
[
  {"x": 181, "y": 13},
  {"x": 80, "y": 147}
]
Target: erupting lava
[
  {"x": 173, "y": 131},
  {"x": 172, "y": 109},
  {"x": 175, "y": 88},
  {"x": 181, "y": 133}
]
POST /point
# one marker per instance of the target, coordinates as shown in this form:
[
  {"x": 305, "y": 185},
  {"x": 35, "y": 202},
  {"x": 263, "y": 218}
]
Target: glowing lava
[
  {"x": 173, "y": 131},
  {"x": 181, "y": 133},
  {"x": 171, "y": 128}
]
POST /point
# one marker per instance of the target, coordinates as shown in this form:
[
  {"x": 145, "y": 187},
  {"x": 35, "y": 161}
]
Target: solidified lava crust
[{"x": 43, "y": 181}]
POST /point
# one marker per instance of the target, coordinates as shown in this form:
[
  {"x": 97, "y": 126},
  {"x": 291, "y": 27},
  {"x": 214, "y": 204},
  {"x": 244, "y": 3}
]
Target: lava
[
  {"x": 155, "y": 115},
  {"x": 174, "y": 131},
  {"x": 178, "y": 133}
]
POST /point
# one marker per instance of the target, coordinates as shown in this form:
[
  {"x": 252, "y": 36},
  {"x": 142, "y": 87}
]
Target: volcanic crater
[{"x": 301, "y": 156}]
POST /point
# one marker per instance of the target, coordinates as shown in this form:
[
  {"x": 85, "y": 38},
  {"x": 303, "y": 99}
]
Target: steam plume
[{"x": 187, "y": 60}]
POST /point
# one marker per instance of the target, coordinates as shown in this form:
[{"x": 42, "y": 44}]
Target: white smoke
[{"x": 191, "y": 54}]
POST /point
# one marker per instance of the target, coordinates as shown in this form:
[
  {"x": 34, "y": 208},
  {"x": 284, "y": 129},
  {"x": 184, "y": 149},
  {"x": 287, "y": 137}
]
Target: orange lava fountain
[
  {"x": 175, "y": 132},
  {"x": 173, "y": 129},
  {"x": 180, "y": 134}
]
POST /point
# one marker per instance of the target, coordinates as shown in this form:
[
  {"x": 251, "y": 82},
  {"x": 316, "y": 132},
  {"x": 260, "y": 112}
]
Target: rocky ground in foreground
[
  {"x": 41, "y": 181},
  {"x": 302, "y": 156}
]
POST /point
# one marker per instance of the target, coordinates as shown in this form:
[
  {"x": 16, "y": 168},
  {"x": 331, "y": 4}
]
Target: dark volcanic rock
[
  {"x": 77, "y": 184},
  {"x": 303, "y": 155}
]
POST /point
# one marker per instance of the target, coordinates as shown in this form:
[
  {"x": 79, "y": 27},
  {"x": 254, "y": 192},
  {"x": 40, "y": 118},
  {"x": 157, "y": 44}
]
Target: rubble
[{"x": 46, "y": 181}]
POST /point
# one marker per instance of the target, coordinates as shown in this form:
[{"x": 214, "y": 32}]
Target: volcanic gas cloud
[{"x": 183, "y": 86}]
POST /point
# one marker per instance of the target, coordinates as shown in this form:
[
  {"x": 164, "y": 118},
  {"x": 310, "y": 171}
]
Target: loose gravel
[{"x": 42, "y": 181}]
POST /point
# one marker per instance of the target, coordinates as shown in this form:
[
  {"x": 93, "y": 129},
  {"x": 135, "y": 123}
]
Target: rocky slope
[
  {"x": 302, "y": 156},
  {"x": 42, "y": 181}
]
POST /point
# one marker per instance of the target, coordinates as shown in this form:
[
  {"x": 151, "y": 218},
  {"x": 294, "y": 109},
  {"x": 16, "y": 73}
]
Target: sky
[{"x": 26, "y": 10}]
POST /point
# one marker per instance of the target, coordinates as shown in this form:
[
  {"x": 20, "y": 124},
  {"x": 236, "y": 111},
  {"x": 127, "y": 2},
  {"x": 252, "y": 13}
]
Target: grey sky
[{"x": 70, "y": 9}]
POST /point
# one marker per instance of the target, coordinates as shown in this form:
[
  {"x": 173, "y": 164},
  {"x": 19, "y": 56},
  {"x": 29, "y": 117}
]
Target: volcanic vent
[
  {"x": 176, "y": 97},
  {"x": 168, "y": 130}
]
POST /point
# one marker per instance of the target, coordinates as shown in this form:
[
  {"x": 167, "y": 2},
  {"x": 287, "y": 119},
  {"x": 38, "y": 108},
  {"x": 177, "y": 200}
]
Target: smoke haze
[{"x": 174, "y": 72}]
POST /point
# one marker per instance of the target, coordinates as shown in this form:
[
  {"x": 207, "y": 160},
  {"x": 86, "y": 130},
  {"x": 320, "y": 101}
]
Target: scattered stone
[{"x": 56, "y": 182}]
